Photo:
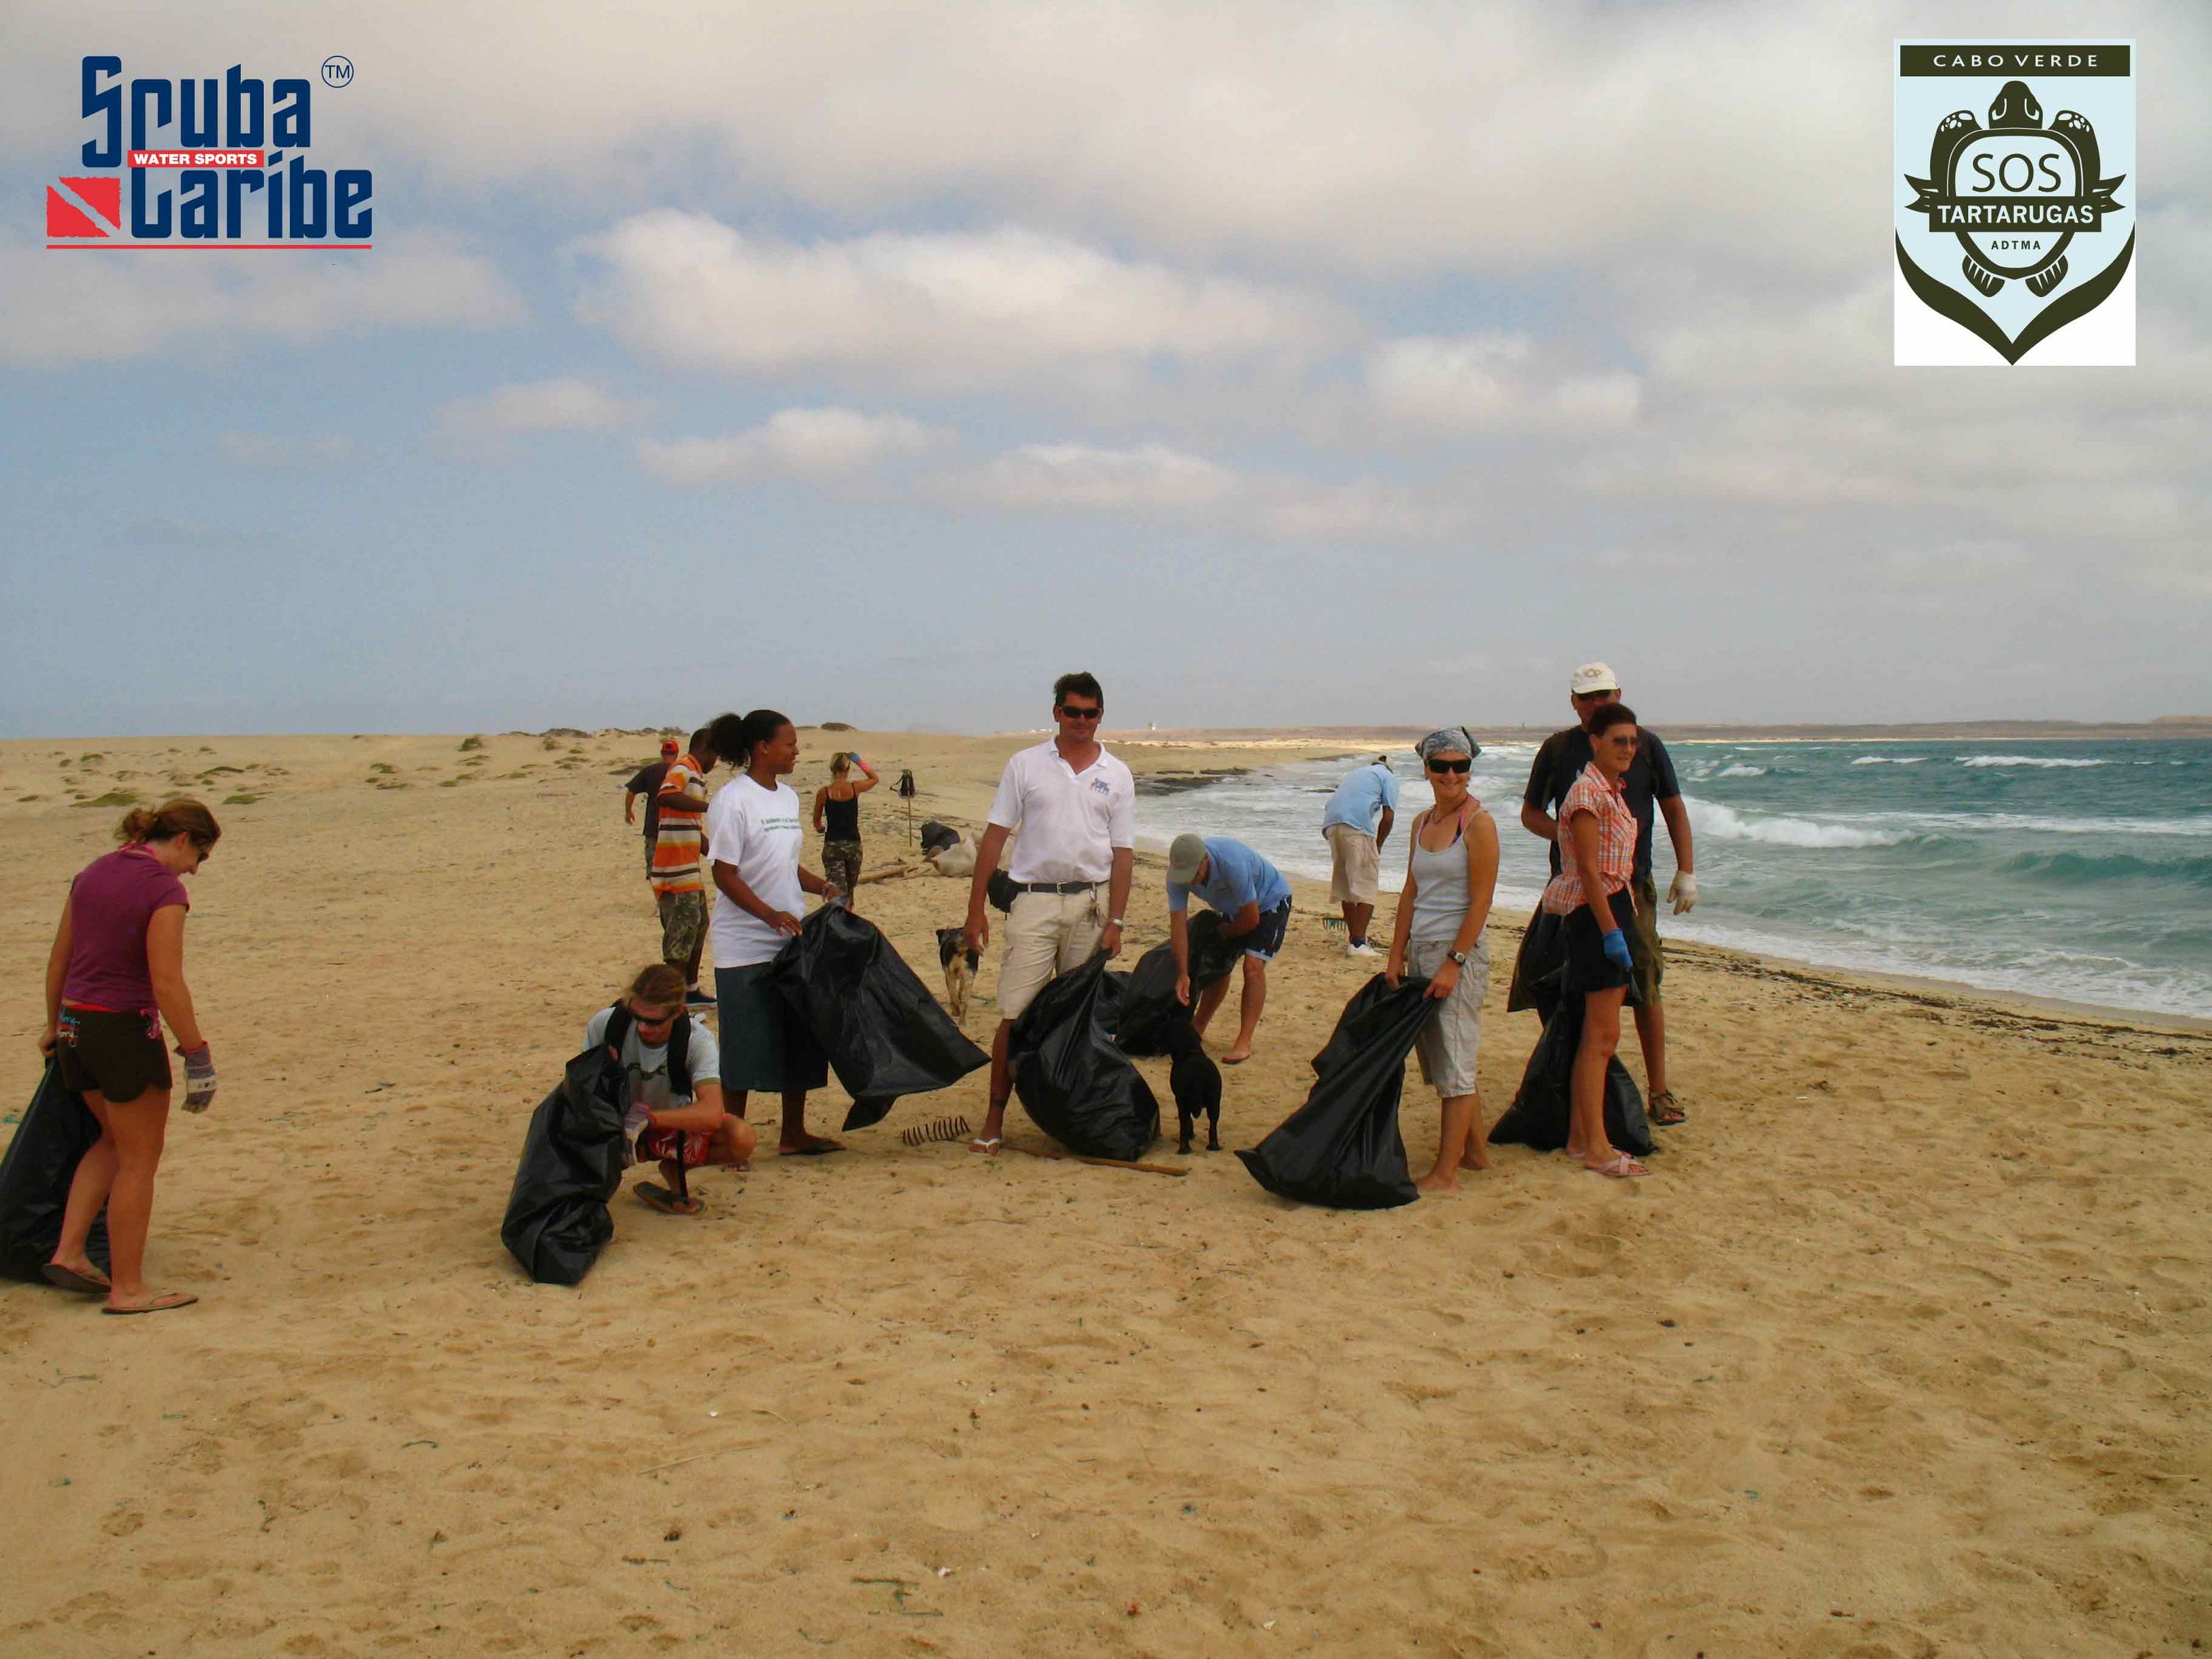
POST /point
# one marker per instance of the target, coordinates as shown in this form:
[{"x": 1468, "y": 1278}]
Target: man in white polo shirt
[{"x": 1076, "y": 806}]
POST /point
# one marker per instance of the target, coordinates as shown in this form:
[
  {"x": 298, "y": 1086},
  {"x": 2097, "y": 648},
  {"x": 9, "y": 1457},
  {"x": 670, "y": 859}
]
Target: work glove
[
  {"x": 199, "y": 1078},
  {"x": 1683, "y": 890},
  {"x": 1616, "y": 949},
  {"x": 636, "y": 1122}
]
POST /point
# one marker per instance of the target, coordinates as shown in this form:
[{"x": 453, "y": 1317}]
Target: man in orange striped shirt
[{"x": 679, "y": 886}]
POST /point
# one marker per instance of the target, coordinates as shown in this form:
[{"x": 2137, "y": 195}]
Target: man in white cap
[
  {"x": 1650, "y": 783},
  {"x": 1254, "y": 902}
]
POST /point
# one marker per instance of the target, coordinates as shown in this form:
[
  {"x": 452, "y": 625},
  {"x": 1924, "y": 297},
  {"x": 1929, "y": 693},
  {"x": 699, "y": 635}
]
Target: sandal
[
  {"x": 660, "y": 1198},
  {"x": 1620, "y": 1167},
  {"x": 160, "y": 1303},
  {"x": 1663, "y": 1112},
  {"x": 985, "y": 1145}
]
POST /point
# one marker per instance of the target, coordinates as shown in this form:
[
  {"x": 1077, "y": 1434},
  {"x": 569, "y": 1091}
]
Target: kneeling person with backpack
[{"x": 672, "y": 1069}]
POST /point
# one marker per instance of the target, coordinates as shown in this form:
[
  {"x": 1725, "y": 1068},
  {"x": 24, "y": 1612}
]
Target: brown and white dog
[{"x": 959, "y": 965}]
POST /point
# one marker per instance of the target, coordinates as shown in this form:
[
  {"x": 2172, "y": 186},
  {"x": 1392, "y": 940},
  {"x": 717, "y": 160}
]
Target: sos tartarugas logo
[
  {"x": 2015, "y": 164},
  {"x": 210, "y": 162}
]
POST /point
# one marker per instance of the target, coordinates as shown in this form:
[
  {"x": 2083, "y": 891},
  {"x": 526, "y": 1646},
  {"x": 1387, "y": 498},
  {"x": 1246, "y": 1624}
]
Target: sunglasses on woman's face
[{"x": 1450, "y": 765}]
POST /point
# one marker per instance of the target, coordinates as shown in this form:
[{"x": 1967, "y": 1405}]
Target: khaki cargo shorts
[
  {"x": 1047, "y": 934},
  {"x": 1356, "y": 873}
]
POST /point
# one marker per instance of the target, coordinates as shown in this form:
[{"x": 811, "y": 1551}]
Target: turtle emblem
[{"x": 2015, "y": 192}]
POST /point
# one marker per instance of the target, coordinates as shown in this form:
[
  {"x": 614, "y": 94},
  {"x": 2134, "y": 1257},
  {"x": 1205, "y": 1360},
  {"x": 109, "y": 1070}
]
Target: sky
[{"x": 1307, "y": 364}]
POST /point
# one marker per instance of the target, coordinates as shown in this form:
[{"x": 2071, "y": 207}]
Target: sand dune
[{"x": 1903, "y": 1349}]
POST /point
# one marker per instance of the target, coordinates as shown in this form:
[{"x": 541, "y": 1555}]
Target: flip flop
[
  {"x": 160, "y": 1303},
  {"x": 987, "y": 1147},
  {"x": 1620, "y": 1167},
  {"x": 660, "y": 1198},
  {"x": 70, "y": 1280},
  {"x": 821, "y": 1148}
]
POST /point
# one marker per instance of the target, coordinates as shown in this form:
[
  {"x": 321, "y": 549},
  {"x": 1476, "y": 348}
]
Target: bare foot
[
  {"x": 1238, "y": 1056},
  {"x": 1475, "y": 1157},
  {"x": 1446, "y": 1180},
  {"x": 809, "y": 1146}
]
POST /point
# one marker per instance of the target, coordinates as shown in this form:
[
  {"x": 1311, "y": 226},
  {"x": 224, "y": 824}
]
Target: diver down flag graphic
[{"x": 67, "y": 204}]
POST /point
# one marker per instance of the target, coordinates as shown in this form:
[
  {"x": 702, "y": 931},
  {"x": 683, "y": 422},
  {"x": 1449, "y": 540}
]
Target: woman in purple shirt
[{"x": 116, "y": 972}]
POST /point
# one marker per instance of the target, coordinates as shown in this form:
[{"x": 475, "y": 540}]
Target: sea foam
[
  {"x": 2048, "y": 762},
  {"x": 1726, "y": 823}
]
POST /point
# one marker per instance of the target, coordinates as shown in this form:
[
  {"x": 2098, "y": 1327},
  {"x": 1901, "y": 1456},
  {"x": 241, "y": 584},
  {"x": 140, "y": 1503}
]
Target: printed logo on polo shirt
[
  {"x": 2031, "y": 202},
  {"x": 1100, "y": 787}
]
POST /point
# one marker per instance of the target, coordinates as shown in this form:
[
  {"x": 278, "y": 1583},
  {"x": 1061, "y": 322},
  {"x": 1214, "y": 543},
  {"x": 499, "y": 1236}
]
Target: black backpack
[{"x": 679, "y": 1045}]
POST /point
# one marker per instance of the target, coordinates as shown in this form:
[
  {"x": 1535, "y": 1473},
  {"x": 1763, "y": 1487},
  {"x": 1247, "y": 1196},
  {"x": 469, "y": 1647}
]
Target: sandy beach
[{"x": 1902, "y": 1350}]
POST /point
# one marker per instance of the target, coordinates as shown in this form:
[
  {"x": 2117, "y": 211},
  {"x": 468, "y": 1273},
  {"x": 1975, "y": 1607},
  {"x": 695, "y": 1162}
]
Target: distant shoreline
[{"x": 2171, "y": 729}]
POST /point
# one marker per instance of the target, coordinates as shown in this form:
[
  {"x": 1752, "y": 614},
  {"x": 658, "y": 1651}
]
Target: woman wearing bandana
[{"x": 1451, "y": 874}]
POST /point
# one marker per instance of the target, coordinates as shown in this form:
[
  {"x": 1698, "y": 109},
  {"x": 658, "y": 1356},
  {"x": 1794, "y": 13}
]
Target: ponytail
[
  {"x": 181, "y": 816},
  {"x": 758, "y": 727}
]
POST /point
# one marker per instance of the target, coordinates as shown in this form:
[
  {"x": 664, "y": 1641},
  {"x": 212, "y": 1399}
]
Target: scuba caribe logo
[{"x": 2022, "y": 198}]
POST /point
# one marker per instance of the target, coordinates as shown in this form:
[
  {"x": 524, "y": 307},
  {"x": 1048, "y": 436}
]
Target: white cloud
[
  {"x": 1473, "y": 382},
  {"x": 1151, "y": 478},
  {"x": 568, "y": 404},
  {"x": 815, "y": 443},
  {"x": 1364, "y": 510},
  {"x": 96, "y": 305},
  {"x": 276, "y": 451},
  {"x": 949, "y": 309},
  {"x": 484, "y": 428}
]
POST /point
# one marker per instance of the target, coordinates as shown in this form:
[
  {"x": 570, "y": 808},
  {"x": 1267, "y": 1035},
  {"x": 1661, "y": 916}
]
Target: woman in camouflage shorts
[{"x": 837, "y": 816}]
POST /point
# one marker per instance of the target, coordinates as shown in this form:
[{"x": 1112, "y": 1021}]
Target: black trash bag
[
  {"x": 884, "y": 1034},
  {"x": 936, "y": 838},
  {"x": 1151, "y": 1021},
  {"x": 572, "y": 1163},
  {"x": 1342, "y": 1148},
  {"x": 1539, "y": 1116},
  {"x": 58, "y": 1129},
  {"x": 1075, "y": 1085},
  {"x": 1538, "y": 965}
]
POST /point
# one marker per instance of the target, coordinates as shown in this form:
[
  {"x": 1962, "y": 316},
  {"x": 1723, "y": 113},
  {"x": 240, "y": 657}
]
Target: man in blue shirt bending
[
  {"x": 1255, "y": 901},
  {"x": 1357, "y": 822}
]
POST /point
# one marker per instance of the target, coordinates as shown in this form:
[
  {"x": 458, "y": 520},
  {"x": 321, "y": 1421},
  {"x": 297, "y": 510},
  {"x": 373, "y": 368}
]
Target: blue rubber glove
[{"x": 1616, "y": 949}]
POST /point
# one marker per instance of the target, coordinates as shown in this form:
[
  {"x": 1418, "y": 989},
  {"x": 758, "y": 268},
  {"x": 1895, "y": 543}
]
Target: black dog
[
  {"x": 1196, "y": 1081},
  {"x": 959, "y": 965}
]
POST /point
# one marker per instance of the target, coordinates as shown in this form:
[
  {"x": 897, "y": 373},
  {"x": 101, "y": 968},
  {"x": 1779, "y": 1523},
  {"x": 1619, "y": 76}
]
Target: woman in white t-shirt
[{"x": 754, "y": 835}]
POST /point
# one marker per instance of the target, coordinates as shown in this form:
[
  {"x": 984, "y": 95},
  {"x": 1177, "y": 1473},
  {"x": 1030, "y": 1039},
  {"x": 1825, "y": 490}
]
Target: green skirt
[{"x": 765, "y": 1049}]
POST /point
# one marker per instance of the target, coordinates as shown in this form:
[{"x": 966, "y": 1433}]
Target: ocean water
[{"x": 2081, "y": 871}]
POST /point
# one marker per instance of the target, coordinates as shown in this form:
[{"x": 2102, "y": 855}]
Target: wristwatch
[
  {"x": 1458, "y": 957},
  {"x": 1113, "y": 921}
]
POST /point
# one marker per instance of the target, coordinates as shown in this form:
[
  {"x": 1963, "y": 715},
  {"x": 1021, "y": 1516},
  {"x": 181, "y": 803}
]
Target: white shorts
[
  {"x": 1449, "y": 1042},
  {"x": 1047, "y": 935}
]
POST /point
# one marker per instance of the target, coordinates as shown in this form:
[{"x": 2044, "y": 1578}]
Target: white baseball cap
[{"x": 1594, "y": 676}]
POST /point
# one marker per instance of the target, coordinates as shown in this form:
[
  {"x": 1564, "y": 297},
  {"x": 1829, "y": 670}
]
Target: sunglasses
[
  {"x": 1068, "y": 711},
  {"x": 1451, "y": 766},
  {"x": 1627, "y": 741},
  {"x": 668, "y": 1018}
]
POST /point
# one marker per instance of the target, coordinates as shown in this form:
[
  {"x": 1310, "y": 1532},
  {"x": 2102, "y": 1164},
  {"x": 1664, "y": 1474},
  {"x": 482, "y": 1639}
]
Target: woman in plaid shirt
[{"x": 1597, "y": 849}]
